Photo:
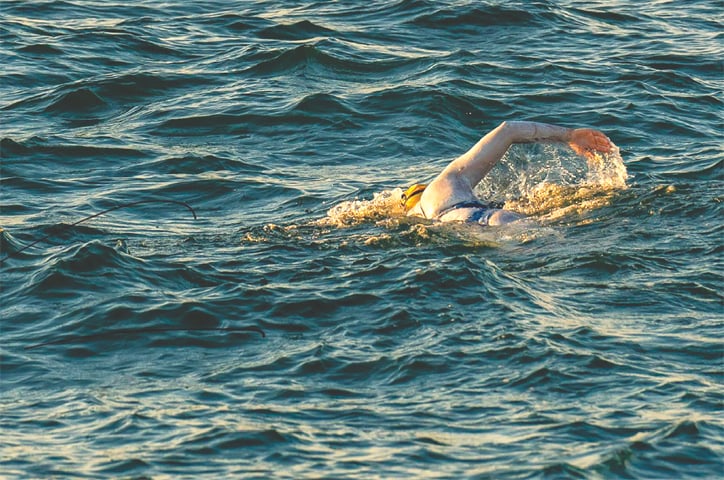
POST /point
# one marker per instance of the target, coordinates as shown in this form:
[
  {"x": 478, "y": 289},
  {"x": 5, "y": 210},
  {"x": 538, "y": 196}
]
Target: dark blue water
[{"x": 301, "y": 327}]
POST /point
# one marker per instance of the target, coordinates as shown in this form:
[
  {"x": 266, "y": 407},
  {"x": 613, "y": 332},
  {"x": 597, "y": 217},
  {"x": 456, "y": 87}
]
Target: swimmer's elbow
[{"x": 512, "y": 131}]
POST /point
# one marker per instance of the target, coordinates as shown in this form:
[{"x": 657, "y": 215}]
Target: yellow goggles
[{"x": 412, "y": 195}]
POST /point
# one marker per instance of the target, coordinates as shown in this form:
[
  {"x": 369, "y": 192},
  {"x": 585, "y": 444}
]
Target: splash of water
[
  {"x": 550, "y": 182},
  {"x": 383, "y": 206}
]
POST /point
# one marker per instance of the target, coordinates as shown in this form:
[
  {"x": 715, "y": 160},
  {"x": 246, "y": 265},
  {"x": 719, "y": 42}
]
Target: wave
[
  {"x": 313, "y": 109},
  {"x": 193, "y": 165},
  {"x": 456, "y": 20},
  {"x": 106, "y": 93},
  {"x": 316, "y": 56},
  {"x": 615, "y": 18},
  {"x": 64, "y": 272},
  {"x": 120, "y": 41},
  {"x": 36, "y": 148},
  {"x": 302, "y": 30},
  {"x": 78, "y": 100},
  {"x": 233, "y": 124},
  {"x": 41, "y": 49},
  {"x": 456, "y": 112},
  {"x": 9, "y": 245},
  {"x": 625, "y": 460},
  {"x": 323, "y": 104}
]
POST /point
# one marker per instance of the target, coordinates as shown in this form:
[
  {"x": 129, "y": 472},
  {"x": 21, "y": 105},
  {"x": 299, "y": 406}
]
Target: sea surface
[{"x": 300, "y": 326}]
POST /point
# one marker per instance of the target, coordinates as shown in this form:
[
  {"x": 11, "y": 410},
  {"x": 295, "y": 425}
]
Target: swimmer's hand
[{"x": 586, "y": 142}]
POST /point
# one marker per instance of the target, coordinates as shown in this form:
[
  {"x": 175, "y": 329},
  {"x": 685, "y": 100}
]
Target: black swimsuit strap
[
  {"x": 468, "y": 205},
  {"x": 473, "y": 204}
]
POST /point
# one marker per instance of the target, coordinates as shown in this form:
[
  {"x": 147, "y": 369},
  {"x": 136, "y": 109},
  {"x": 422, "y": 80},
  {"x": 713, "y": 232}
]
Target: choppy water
[{"x": 584, "y": 343}]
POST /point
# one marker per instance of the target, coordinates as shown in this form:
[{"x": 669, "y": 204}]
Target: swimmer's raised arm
[
  {"x": 455, "y": 184},
  {"x": 482, "y": 157}
]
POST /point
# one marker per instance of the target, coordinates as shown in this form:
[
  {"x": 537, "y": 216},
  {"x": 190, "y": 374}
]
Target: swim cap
[{"x": 412, "y": 195}]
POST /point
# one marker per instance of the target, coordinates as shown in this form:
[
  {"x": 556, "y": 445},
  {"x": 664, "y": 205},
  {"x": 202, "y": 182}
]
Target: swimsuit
[{"x": 471, "y": 212}]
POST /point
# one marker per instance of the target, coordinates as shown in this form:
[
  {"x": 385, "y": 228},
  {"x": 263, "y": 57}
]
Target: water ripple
[{"x": 581, "y": 343}]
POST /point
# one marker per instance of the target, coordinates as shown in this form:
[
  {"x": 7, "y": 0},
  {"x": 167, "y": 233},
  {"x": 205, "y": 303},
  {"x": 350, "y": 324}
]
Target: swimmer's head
[{"x": 412, "y": 196}]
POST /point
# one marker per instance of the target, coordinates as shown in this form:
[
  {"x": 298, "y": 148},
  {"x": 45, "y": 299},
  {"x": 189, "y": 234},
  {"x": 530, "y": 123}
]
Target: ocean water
[{"x": 301, "y": 326}]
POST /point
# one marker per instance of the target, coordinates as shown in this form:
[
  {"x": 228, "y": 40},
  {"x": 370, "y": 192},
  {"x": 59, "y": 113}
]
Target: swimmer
[{"x": 450, "y": 197}]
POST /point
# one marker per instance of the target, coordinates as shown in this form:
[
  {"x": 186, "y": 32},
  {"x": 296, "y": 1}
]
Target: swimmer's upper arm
[
  {"x": 474, "y": 164},
  {"x": 457, "y": 181}
]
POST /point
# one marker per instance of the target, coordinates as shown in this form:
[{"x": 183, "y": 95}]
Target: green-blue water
[{"x": 582, "y": 343}]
